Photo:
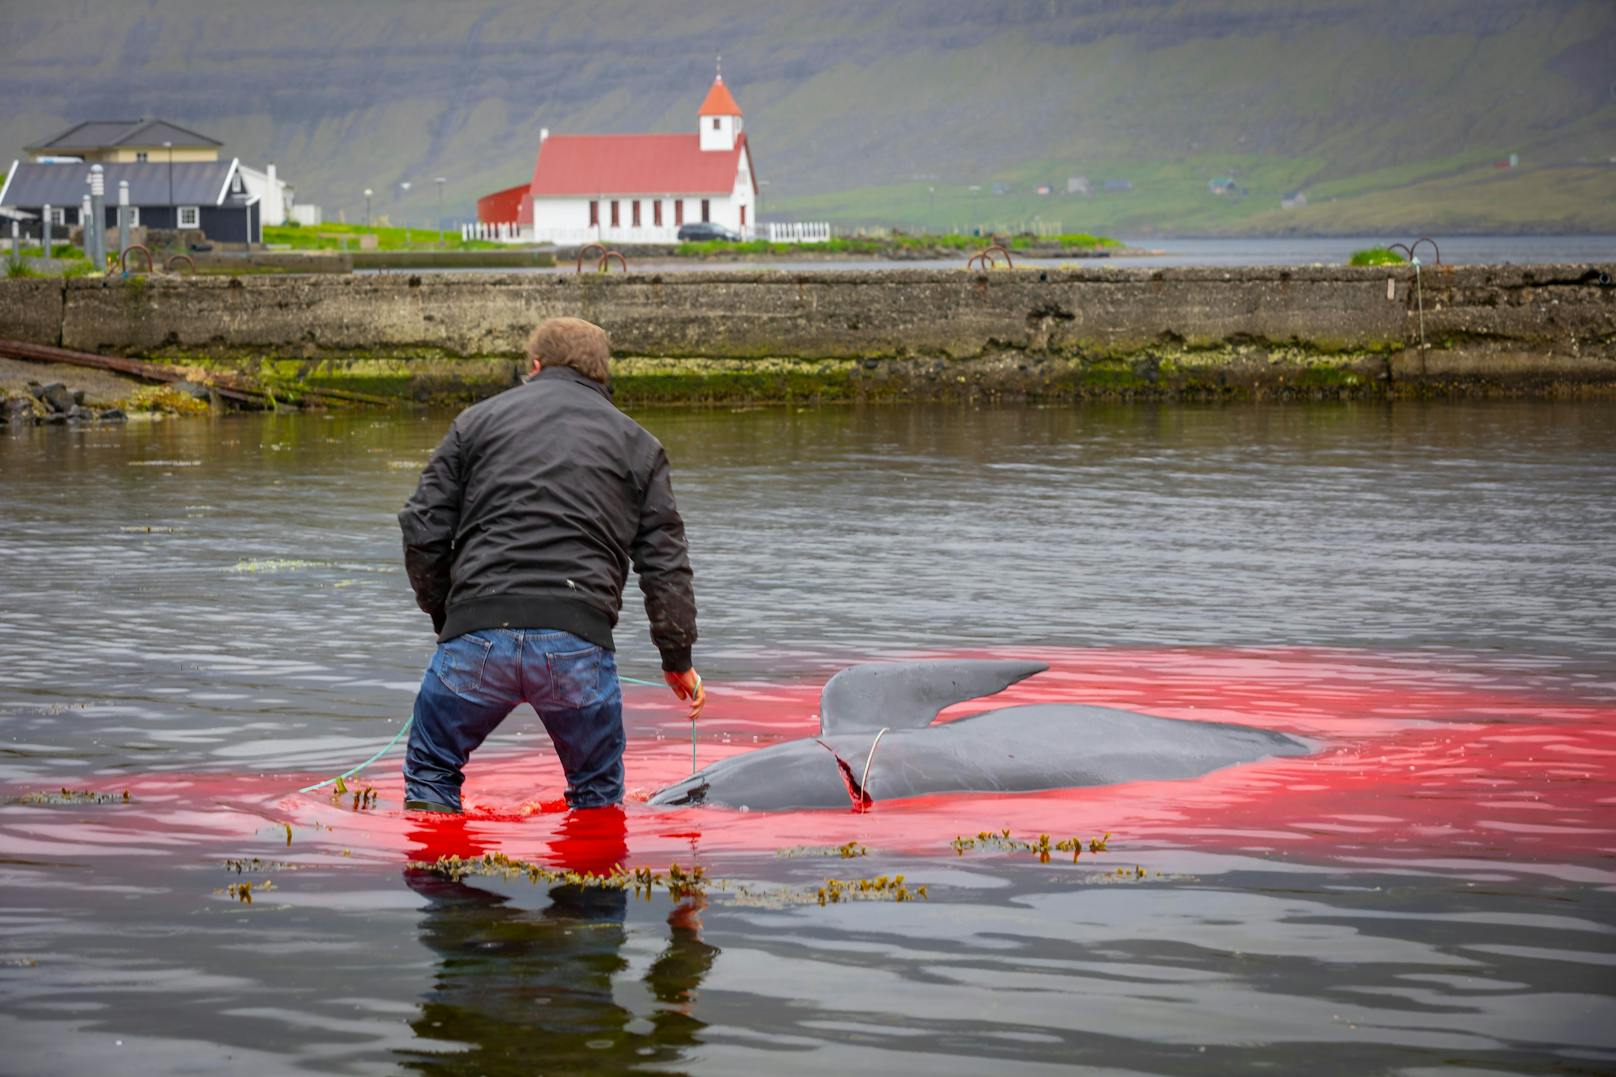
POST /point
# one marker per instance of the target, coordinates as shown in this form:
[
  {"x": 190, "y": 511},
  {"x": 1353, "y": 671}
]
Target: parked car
[{"x": 705, "y": 231}]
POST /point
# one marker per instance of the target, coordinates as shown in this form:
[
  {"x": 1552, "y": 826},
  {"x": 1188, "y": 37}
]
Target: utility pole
[
  {"x": 123, "y": 218},
  {"x": 404, "y": 186},
  {"x": 169, "y": 146},
  {"x": 439, "y": 181},
  {"x": 367, "y": 207},
  {"x": 96, "y": 226},
  {"x": 45, "y": 229}
]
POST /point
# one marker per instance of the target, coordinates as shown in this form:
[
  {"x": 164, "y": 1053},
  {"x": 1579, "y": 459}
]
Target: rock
[
  {"x": 80, "y": 413},
  {"x": 78, "y": 396},
  {"x": 113, "y": 415},
  {"x": 36, "y": 390},
  {"x": 57, "y": 396},
  {"x": 55, "y": 417},
  {"x": 17, "y": 410}
]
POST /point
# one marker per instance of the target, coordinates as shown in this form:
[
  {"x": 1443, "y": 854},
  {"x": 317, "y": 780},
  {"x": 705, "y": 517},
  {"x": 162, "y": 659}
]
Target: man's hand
[{"x": 687, "y": 685}]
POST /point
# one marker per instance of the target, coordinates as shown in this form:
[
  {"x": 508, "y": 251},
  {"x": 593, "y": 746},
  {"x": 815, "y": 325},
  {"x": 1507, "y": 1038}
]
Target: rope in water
[{"x": 405, "y": 728}]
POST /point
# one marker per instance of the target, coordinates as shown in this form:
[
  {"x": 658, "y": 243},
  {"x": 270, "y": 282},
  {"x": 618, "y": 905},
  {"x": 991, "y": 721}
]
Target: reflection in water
[{"x": 529, "y": 992}]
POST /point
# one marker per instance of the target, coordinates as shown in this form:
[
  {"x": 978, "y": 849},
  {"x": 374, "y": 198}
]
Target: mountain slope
[{"x": 886, "y": 112}]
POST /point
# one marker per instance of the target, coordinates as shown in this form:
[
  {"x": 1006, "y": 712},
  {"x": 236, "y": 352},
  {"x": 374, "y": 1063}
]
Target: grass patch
[
  {"x": 1376, "y": 256},
  {"x": 330, "y": 237}
]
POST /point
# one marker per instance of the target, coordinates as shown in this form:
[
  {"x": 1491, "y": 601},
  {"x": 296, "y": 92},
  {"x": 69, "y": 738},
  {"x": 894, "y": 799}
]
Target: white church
[{"x": 627, "y": 189}]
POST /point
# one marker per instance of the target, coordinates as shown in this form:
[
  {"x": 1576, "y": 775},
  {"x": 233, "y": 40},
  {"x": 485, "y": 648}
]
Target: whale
[{"x": 879, "y": 740}]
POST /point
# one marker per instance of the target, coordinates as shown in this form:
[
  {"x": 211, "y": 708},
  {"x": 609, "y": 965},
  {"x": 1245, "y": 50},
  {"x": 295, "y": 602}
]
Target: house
[
  {"x": 210, "y": 197},
  {"x": 128, "y": 142},
  {"x": 158, "y": 142},
  {"x": 1078, "y": 185},
  {"x": 275, "y": 195},
  {"x": 623, "y": 189},
  {"x": 1119, "y": 185},
  {"x": 1293, "y": 200}
]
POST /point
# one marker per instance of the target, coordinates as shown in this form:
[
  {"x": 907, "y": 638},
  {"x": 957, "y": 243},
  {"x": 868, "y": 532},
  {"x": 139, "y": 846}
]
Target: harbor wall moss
[{"x": 761, "y": 334}]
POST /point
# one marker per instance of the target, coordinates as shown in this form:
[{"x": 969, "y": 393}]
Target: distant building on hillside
[
  {"x": 1294, "y": 200},
  {"x": 128, "y": 142},
  {"x": 1119, "y": 185},
  {"x": 634, "y": 188},
  {"x": 1078, "y": 185}
]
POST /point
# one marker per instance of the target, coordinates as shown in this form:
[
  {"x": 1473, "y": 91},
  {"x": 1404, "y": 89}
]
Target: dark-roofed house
[
  {"x": 205, "y": 196},
  {"x": 128, "y": 142}
]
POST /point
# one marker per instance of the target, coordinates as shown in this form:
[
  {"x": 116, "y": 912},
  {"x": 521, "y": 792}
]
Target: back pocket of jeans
[
  {"x": 459, "y": 663},
  {"x": 575, "y": 677}
]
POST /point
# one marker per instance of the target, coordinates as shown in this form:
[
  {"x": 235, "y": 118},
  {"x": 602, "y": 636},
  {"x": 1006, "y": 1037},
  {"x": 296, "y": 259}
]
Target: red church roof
[
  {"x": 583, "y": 166},
  {"x": 720, "y": 102}
]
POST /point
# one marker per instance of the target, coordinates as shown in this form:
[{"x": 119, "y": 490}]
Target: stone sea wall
[{"x": 1056, "y": 333}]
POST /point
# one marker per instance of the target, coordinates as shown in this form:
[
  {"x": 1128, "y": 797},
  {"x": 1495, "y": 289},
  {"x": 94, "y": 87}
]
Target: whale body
[{"x": 878, "y": 742}]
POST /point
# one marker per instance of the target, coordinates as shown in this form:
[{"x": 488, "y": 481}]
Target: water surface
[{"x": 211, "y": 614}]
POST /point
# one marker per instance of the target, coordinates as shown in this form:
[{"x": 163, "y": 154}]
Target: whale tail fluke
[{"x": 910, "y": 695}]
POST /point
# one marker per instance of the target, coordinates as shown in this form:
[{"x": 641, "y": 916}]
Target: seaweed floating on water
[
  {"x": 879, "y": 888},
  {"x": 73, "y": 796},
  {"x": 1040, "y": 847},
  {"x": 244, "y": 865},
  {"x": 243, "y": 891},
  {"x": 847, "y": 851},
  {"x": 679, "y": 882}
]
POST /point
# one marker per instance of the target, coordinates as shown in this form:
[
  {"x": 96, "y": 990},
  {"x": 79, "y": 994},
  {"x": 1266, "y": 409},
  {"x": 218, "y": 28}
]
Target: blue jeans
[{"x": 475, "y": 680}]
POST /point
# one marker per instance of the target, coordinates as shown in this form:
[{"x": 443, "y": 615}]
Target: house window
[
  {"x": 635, "y": 213},
  {"x": 706, "y": 210},
  {"x": 235, "y": 183},
  {"x": 743, "y": 216},
  {"x": 134, "y": 216},
  {"x": 656, "y": 213},
  {"x": 58, "y": 215},
  {"x": 615, "y": 219},
  {"x": 190, "y": 217},
  {"x": 715, "y": 123},
  {"x": 594, "y": 214},
  {"x": 678, "y": 212},
  {"x": 140, "y": 155}
]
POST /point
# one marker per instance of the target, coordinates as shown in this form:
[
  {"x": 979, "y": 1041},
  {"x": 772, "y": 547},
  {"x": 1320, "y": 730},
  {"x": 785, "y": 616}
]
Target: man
[{"x": 518, "y": 541}]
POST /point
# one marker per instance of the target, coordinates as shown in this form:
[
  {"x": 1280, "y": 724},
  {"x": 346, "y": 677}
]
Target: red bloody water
[{"x": 1416, "y": 760}]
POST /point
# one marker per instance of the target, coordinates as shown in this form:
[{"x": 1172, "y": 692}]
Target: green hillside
[{"x": 1384, "y": 115}]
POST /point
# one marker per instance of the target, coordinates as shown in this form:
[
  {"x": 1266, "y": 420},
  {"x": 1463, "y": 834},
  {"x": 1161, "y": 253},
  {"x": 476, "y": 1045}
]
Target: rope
[
  {"x": 864, "y": 783},
  {"x": 408, "y": 721}
]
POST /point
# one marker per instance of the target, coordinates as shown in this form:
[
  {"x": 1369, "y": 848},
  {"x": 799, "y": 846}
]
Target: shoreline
[{"x": 755, "y": 336}]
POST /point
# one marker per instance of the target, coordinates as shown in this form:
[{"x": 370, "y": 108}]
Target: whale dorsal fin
[{"x": 909, "y": 695}]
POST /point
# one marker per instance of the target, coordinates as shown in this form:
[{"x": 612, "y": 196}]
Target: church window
[
  {"x": 634, "y": 213},
  {"x": 656, "y": 213},
  {"x": 715, "y": 123},
  {"x": 616, "y": 220},
  {"x": 706, "y": 210},
  {"x": 678, "y": 212},
  {"x": 594, "y": 214}
]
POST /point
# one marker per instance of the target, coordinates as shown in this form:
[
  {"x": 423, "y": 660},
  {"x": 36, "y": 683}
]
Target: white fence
[
  {"x": 798, "y": 231},
  {"x": 497, "y": 232}
]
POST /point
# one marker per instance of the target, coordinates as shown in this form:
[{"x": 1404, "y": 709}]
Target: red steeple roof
[{"x": 720, "y": 102}]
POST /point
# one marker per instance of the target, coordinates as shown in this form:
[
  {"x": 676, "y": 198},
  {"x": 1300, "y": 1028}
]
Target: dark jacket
[{"x": 531, "y": 511}]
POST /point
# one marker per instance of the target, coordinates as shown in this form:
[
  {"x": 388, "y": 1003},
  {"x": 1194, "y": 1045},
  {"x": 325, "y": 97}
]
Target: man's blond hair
[{"x": 572, "y": 342}]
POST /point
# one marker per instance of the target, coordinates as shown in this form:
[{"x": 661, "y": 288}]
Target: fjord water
[{"x": 212, "y": 613}]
